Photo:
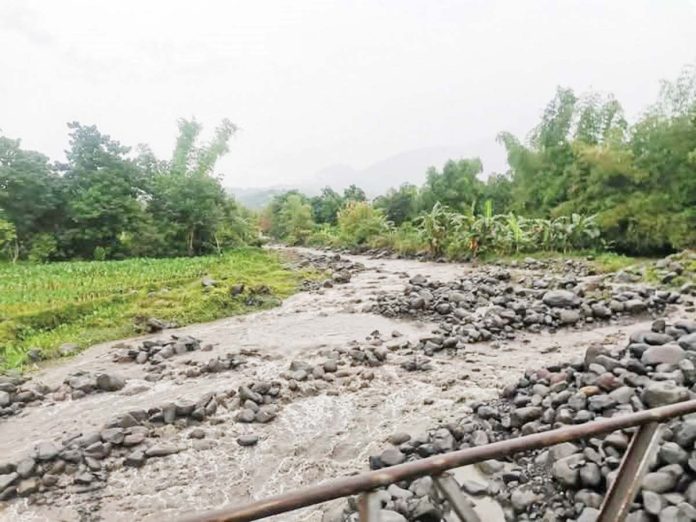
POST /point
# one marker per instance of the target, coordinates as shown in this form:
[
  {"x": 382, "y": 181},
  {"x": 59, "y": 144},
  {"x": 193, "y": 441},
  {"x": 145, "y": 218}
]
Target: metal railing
[{"x": 615, "y": 506}]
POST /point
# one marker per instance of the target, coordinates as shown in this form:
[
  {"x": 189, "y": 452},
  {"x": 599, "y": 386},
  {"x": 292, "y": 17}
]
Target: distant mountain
[{"x": 406, "y": 167}]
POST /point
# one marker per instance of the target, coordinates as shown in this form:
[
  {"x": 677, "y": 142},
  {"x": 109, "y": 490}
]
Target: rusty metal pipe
[{"x": 346, "y": 486}]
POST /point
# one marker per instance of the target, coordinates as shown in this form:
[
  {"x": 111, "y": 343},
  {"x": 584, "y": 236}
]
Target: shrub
[
  {"x": 43, "y": 247},
  {"x": 359, "y": 221}
]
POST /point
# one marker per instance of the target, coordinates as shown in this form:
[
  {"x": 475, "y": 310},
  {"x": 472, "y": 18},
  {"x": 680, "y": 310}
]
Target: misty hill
[{"x": 406, "y": 167}]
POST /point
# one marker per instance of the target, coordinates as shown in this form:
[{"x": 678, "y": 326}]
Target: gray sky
[{"x": 316, "y": 83}]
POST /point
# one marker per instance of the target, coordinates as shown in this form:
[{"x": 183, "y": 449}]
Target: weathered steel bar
[
  {"x": 617, "y": 502},
  {"x": 346, "y": 486},
  {"x": 461, "y": 505},
  {"x": 368, "y": 507}
]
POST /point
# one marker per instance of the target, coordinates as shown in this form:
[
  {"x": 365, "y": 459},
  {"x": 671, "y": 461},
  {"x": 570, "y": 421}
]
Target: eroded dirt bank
[{"x": 324, "y": 429}]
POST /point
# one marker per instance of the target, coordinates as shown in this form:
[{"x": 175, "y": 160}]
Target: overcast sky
[{"x": 316, "y": 83}]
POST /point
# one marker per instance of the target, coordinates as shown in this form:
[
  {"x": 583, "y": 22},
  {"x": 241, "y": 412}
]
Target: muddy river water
[{"x": 314, "y": 438}]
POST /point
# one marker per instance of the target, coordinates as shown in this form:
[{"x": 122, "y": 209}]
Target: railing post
[
  {"x": 369, "y": 506},
  {"x": 461, "y": 505},
  {"x": 629, "y": 477}
]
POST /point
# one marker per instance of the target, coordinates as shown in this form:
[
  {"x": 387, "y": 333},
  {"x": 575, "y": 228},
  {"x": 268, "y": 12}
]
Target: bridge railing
[{"x": 615, "y": 506}]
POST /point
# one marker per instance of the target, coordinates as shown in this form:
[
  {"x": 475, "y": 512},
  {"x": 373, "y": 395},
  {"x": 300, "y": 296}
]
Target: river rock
[
  {"x": 688, "y": 342},
  {"x": 660, "y": 393},
  {"x": 666, "y": 353},
  {"x": 110, "y": 382},
  {"x": 560, "y": 298},
  {"x": 247, "y": 440},
  {"x": 27, "y": 487},
  {"x": 46, "y": 451},
  {"x": 161, "y": 450},
  {"x": 392, "y": 457}
]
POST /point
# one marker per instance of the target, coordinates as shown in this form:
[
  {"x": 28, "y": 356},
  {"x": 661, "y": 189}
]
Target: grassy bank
[{"x": 44, "y": 306}]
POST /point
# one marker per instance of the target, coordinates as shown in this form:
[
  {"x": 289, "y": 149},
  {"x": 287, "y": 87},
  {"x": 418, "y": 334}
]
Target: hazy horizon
[{"x": 320, "y": 84}]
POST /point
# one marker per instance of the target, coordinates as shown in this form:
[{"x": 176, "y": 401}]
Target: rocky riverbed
[{"x": 385, "y": 360}]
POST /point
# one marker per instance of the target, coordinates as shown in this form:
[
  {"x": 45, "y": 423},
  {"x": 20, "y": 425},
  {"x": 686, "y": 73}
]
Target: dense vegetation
[
  {"x": 108, "y": 202},
  {"x": 583, "y": 178},
  {"x": 83, "y": 302}
]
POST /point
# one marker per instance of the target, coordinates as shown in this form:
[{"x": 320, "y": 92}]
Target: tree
[
  {"x": 296, "y": 215},
  {"x": 354, "y": 193},
  {"x": 188, "y": 203},
  {"x": 103, "y": 191},
  {"x": 325, "y": 207},
  {"x": 359, "y": 221},
  {"x": 456, "y": 187},
  {"x": 399, "y": 205},
  {"x": 30, "y": 193}
]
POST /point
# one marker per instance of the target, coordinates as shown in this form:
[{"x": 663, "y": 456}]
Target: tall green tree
[
  {"x": 456, "y": 187},
  {"x": 30, "y": 194},
  {"x": 188, "y": 201},
  {"x": 103, "y": 192},
  {"x": 399, "y": 205},
  {"x": 326, "y": 205}
]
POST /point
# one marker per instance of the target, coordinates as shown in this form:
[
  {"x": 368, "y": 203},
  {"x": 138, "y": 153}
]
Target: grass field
[{"x": 44, "y": 306}]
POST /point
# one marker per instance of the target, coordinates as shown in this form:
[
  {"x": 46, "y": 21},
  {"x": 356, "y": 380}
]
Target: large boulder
[
  {"x": 560, "y": 299},
  {"x": 660, "y": 393},
  {"x": 666, "y": 353}
]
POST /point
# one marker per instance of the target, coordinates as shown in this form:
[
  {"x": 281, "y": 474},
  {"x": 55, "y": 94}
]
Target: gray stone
[
  {"x": 4, "y": 399},
  {"x": 588, "y": 515},
  {"x": 421, "y": 486},
  {"x": 27, "y": 487},
  {"x": 590, "y": 475},
  {"x": 392, "y": 457},
  {"x": 522, "y": 498},
  {"x": 660, "y": 393},
  {"x": 474, "y": 487},
  {"x": 25, "y": 467},
  {"x": 672, "y": 453},
  {"x": 685, "y": 432},
  {"x": 666, "y": 353},
  {"x": 652, "y": 502},
  {"x": 672, "y": 514},
  {"x": 161, "y": 450},
  {"x": 247, "y": 440},
  {"x": 659, "y": 482},
  {"x": 634, "y": 306},
  {"x": 522, "y": 416},
  {"x": 197, "y": 433},
  {"x": 688, "y": 342},
  {"x": 399, "y": 438},
  {"x": 560, "y": 299},
  {"x": 565, "y": 470},
  {"x": 7, "y": 480},
  {"x": 399, "y": 493},
  {"x": 638, "y": 516},
  {"x": 113, "y": 435},
  {"x": 246, "y": 415},
  {"x": 569, "y": 316},
  {"x": 110, "y": 382},
  {"x": 562, "y": 450},
  {"x": 98, "y": 450},
  {"x": 47, "y": 451}
]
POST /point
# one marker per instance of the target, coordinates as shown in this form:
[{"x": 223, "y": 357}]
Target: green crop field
[{"x": 84, "y": 302}]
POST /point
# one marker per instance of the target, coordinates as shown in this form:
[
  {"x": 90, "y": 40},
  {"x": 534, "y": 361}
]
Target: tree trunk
[
  {"x": 15, "y": 254},
  {"x": 191, "y": 233}
]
